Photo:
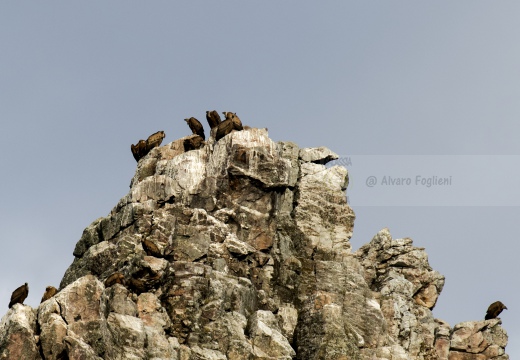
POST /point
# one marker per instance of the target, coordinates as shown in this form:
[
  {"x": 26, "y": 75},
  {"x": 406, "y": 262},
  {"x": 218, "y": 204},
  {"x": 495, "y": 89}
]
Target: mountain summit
[{"x": 240, "y": 250}]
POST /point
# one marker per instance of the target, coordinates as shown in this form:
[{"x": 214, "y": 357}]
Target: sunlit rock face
[{"x": 240, "y": 250}]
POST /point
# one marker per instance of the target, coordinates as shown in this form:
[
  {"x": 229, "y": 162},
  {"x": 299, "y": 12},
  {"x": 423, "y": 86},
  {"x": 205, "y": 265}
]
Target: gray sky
[{"x": 81, "y": 81}]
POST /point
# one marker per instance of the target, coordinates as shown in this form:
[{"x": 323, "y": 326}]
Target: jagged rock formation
[{"x": 251, "y": 260}]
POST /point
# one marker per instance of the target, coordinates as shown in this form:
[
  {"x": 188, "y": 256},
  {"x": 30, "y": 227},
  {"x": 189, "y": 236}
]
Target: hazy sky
[{"x": 398, "y": 89}]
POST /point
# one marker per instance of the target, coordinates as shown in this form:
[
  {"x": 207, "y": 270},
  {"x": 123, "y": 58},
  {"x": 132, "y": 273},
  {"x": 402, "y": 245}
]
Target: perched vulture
[
  {"x": 154, "y": 140},
  {"x": 50, "y": 291},
  {"x": 196, "y": 127},
  {"x": 139, "y": 150},
  {"x": 213, "y": 118},
  {"x": 143, "y": 147},
  {"x": 19, "y": 295},
  {"x": 115, "y": 278},
  {"x": 494, "y": 310},
  {"x": 151, "y": 249},
  {"x": 228, "y": 115},
  {"x": 136, "y": 285},
  {"x": 193, "y": 143},
  {"x": 224, "y": 128},
  {"x": 235, "y": 119}
]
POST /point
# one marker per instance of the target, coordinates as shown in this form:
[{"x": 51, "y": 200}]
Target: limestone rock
[
  {"x": 409, "y": 289},
  {"x": 128, "y": 334},
  {"x": 267, "y": 338},
  {"x": 53, "y": 330},
  {"x": 323, "y": 219},
  {"x": 18, "y": 339},
  {"x": 442, "y": 339},
  {"x": 484, "y": 339},
  {"x": 251, "y": 260},
  {"x": 77, "y": 349},
  {"x": 320, "y": 155}
]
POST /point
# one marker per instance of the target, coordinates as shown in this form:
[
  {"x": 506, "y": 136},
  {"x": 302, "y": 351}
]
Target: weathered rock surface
[
  {"x": 484, "y": 339},
  {"x": 407, "y": 288},
  {"x": 18, "y": 339},
  {"x": 251, "y": 260}
]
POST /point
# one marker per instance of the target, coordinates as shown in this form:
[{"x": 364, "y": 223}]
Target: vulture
[
  {"x": 115, "y": 278},
  {"x": 213, "y": 118},
  {"x": 136, "y": 285},
  {"x": 231, "y": 123},
  {"x": 151, "y": 249},
  {"x": 234, "y": 118},
  {"x": 143, "y": 147},
  {"x": 494, "y": 310},
  {"x": 224, "y": 128},
  {"x": 19, "y": 295},
  {"x": 138, "y": 150},
  {"x": 193, "y": 143},
  {"x": 50, "y": 291},
  {"x": 196, "y": 127},
  {"x": 154, "y": 140}
]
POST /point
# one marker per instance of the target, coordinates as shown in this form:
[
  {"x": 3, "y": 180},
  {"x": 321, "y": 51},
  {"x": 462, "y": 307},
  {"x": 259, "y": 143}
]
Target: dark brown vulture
[
  {"x": 213, "y": 118},
  {"x": 137, "y": 286},
  {"x": 115, "y": 278},
  {"x": 235, "y": 119},
  {"x": 494, "y": 310},
  {"x": 193, "y": 143},
  {"x": 224, "y": 128},
  {"x": 19, "y": 295},
  {"x": 143, "y": 147},
  {"x": 237, "y": 122},
  {"x": 154, "y": 140},
  {"x": 227, "y": 115},
  {"x": 138, "y": 150},
  {"x": 50, "y": 291},
  {"x": 196, "y": 127},
  {"x": 151, "y": 249}
]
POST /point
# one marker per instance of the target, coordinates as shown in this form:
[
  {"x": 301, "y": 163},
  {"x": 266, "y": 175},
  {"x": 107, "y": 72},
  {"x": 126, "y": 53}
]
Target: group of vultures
[
  {"x": 142, "y": 148},
  {"x": 223, "y": 127},
  {"x": 20, "y": 294}
]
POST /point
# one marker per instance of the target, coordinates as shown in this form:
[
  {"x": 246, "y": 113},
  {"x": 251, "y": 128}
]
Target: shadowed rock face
[{"x": 240, "y": 250}]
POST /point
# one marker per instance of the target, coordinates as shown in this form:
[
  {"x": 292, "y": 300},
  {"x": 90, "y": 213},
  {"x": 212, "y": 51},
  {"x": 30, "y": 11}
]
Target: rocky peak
[{"x": 240, "y": 250}]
